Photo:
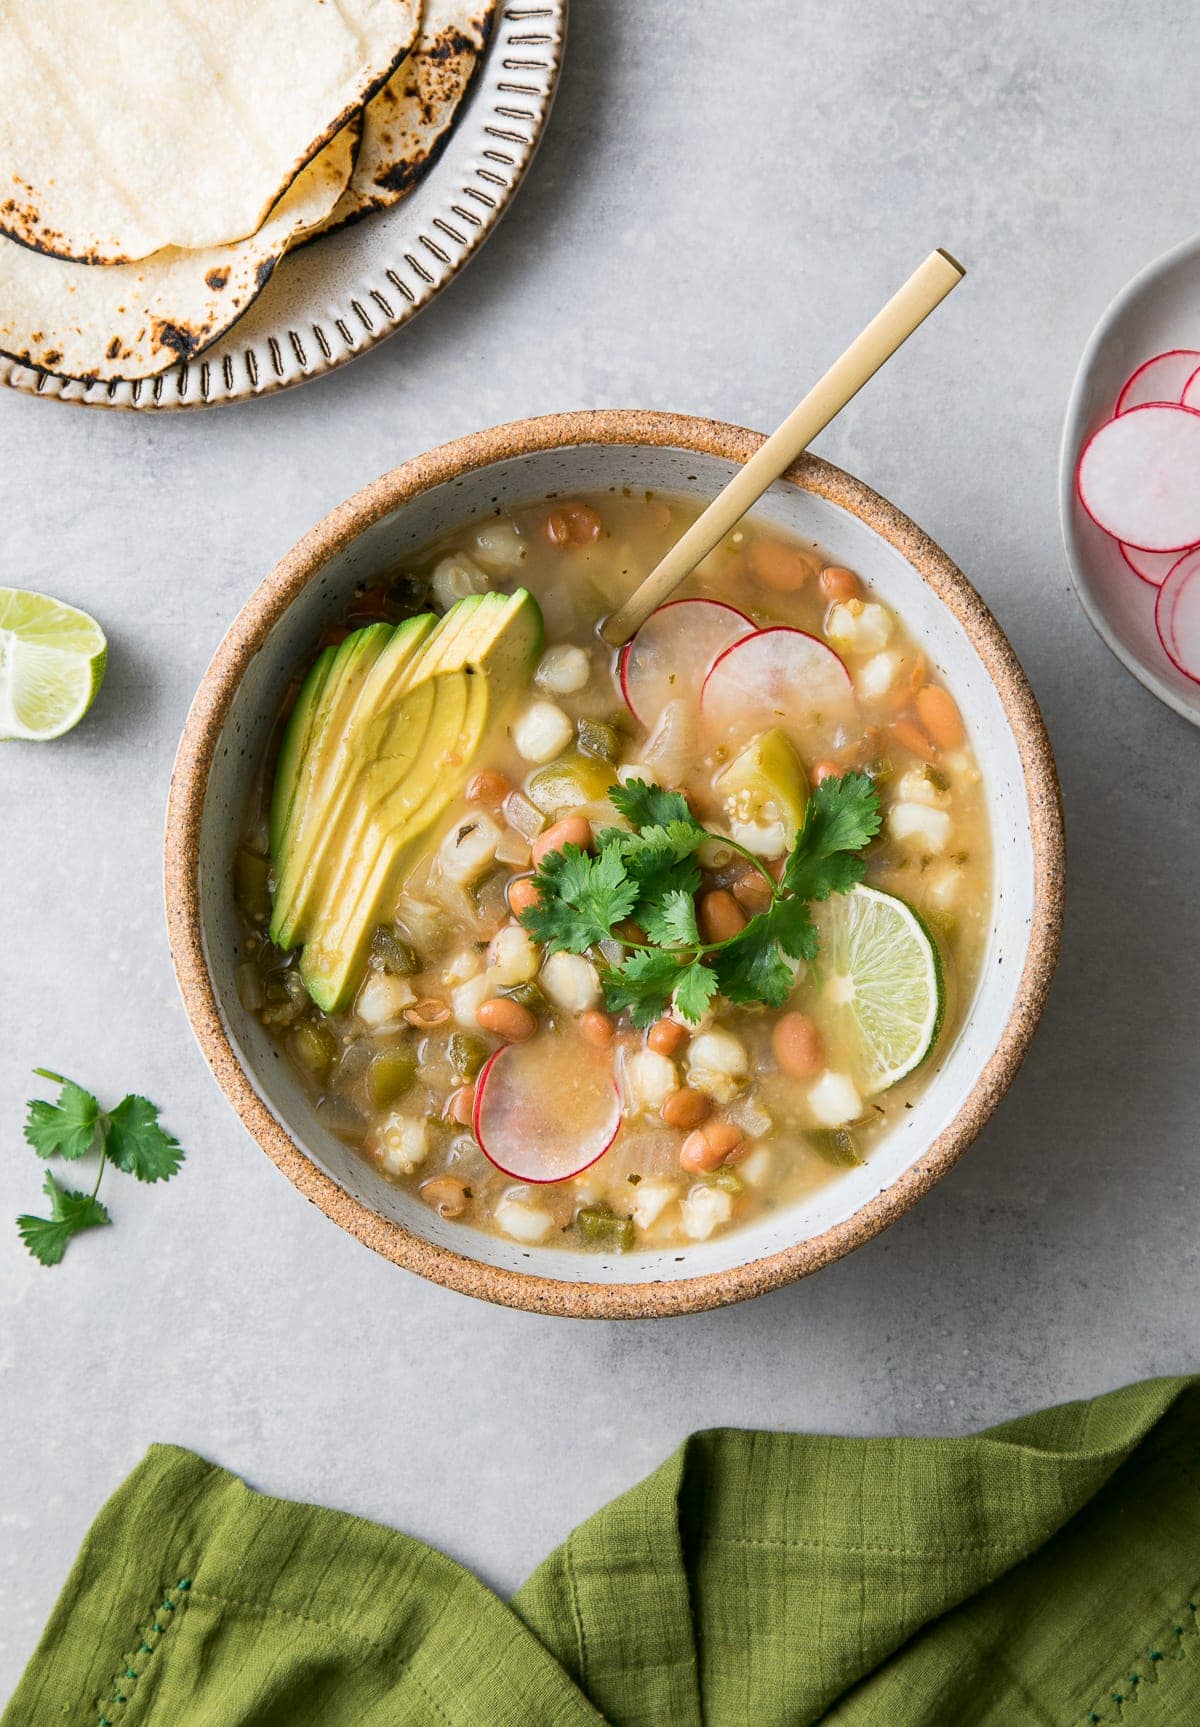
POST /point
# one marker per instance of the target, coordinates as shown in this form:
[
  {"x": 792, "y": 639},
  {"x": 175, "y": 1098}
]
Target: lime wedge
[
  {"x": 881, "y": 998},
  {"x": 52, "y": 661}
]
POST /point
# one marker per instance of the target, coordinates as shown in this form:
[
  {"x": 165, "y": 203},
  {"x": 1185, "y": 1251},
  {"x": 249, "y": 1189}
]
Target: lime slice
[
  {"x": 881, "y": 997},
  {"x": 52, "y": 661}
]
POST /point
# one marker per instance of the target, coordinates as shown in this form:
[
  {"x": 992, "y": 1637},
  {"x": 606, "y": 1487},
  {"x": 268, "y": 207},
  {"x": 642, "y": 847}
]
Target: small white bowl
[{"x": 1158, "y": 310}]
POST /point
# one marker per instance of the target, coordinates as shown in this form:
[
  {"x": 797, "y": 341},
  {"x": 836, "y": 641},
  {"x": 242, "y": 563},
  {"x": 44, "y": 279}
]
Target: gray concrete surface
[{"x": 724, "y": 195}]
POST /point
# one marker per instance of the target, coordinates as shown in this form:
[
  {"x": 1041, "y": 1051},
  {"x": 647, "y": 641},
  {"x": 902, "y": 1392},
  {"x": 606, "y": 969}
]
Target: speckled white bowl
[
  {"x": 226, "y": 735},
  {"x": 1158, "y": 310}
]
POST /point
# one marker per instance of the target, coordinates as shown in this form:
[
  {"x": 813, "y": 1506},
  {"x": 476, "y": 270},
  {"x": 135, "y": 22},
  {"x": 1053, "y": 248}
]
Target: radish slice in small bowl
[
  {"x": 671, "y": 653},
  {"x": 1191, "y": 390},
  {"x": 1177, "y": 615},
  {"x": 547, "y": 1109},
  {"x": 1162, "y": 379},
  {"x": 777, "y": 677},
  {"x": 1152, "y": 567},
  {"x": 1139, "y": 477}
]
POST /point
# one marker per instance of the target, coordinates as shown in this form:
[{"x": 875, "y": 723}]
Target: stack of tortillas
[{"x": 159, "y": 157}]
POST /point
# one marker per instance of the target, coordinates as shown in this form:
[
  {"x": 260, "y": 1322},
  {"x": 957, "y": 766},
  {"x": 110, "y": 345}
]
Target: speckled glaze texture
[{"x": 560, "y": 442}]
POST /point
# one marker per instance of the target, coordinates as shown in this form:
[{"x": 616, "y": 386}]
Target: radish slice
[
  {"x": 1177, "y": 615},
  {"x": 1152, "y": 567},
  {"x": 1139, "y": 478},
  {"x": 547, "y": 1109},
  {"x": 1191, "y": 391},
  {"x": 778, "y": 676},
  {"x": 1161, "y": 379},
  {"x": 673, "y": 650}
]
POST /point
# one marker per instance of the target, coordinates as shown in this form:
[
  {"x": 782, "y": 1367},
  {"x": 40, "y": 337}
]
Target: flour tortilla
[
  {"x": 414, "y": 112},
  {"x": 131, "y": 126},
  {"x": 103, "y": 321}
]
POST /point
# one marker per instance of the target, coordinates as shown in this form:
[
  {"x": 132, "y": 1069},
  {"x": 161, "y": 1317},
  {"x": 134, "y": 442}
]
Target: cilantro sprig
[
  {"x": 129, "y": 1137},
  {"x": 649, "y": 874}
]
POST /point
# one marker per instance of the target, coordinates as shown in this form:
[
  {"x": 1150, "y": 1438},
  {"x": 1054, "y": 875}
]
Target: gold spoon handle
[{"x": 926, "y": 288}]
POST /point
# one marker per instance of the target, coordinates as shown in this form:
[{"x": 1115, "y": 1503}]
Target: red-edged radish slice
[
  {"x": 547, "y": 1109},
  {"x": 1177, "y": 615},
  {"x": 1139, "y": 478},
  {"x": 1152, "y": 567},
  {"x": 1191, "y": 391},
  {"x": 671, "y": 653},
  {"x": 1161, "y": 379},
  {"x": 776, "y": 677}
]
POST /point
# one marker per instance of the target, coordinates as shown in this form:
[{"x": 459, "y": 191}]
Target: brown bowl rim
[{"x": 189, "y": 781}]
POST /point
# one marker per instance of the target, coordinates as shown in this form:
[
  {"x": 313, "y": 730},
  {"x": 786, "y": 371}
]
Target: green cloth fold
[{"x": 1043, "y": 1574}]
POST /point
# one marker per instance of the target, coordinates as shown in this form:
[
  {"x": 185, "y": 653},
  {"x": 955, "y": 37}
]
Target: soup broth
[{"x": 500, "y": 1081}]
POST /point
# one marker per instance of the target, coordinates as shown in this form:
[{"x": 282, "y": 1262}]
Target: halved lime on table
[
  {"x": 881, "y": 995},
  {"x": 52, "y": 660}
]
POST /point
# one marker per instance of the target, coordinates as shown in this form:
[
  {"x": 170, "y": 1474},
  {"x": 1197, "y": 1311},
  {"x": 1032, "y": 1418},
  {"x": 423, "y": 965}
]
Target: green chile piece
[
  {"x": 602, "y": 1228},
  {"x": 395, "y": 956},
  {"x": 391, "y": 1074},
  {"x": 572, "y": 780},
  {"x": 599, "y": 740},
  {"x": 252, "y": 883},
  {"x": 467, "y": 1054},
  {"x": 315, "y": 1048},
  {"x": 837, "y": 1145}
]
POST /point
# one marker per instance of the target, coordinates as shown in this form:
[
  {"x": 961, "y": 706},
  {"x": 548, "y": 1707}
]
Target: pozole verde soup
[{"x": 602, "y": 950}]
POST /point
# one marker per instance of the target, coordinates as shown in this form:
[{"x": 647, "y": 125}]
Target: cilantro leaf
[
  {"x": 67, "y": 1128},
  {"x": 697, "y": 985},
  {"x": 138, "y": 1145},
  {"x": 669, "y": 919},
  {"x": 789, "y": 922},
  {"x": 842, "y": 817},
  {"x": 752, "y": 967},
  {"x": 70, "y": 1212},
  {"x": 582, "y": 897},
  {"x": 644, "y": 984},
  {"x": 644, "y": 805}
]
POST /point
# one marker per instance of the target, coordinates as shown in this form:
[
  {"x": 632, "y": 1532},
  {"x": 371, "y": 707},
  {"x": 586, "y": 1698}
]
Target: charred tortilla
[
  {"x": 133, "y": 126},
  {"x": 407, "y": 122},
  {"x": 132, "y": 320}
]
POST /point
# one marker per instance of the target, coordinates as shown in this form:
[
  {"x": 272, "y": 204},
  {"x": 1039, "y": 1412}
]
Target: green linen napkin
[{"x": 1043, "y": 1574}]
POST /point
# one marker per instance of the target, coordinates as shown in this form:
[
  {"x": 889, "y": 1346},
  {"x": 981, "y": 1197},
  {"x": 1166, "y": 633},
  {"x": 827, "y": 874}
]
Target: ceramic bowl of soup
[{"x": 613, "y": 983}]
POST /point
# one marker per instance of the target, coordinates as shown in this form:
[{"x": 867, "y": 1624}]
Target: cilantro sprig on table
[
  {"x": 129, "y": 1137},
  {"x": 649, "y": 876}
]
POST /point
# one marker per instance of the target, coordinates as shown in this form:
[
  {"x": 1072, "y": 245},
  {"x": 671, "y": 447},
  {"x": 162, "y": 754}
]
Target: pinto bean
[
  {"x": 708, "y": 1147},
  {"x": 685, "y": 1107},
  {"x": 797, "y": 1046},
  {"x": 719, "y": 915},
  {"x": 571, "y": 831},
  {"x": 938, "y": 712},
  {"x": 507, "y": 1018},
  {"x": 596, "y": 1028},
  {"x": 490, "y": 788},
  {"x": 838, "y": 583},
  {"x": 523, "y": 892},
  {"x": 666, "y": 1037}
]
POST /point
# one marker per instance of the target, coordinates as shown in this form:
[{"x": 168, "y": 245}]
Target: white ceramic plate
[
  {"x": 1159, "y": 309},
  {"x": 338, "y": 297}
]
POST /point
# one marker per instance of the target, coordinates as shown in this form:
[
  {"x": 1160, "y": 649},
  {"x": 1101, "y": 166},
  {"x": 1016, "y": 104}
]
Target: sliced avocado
[
  {"x": 349, "y": 668},
  {"x": 294, "y": 745},
  {"x": 766, "y": 783},
  {"x": 301, "y": 861},
  {"x": 397, "y": 799}
]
